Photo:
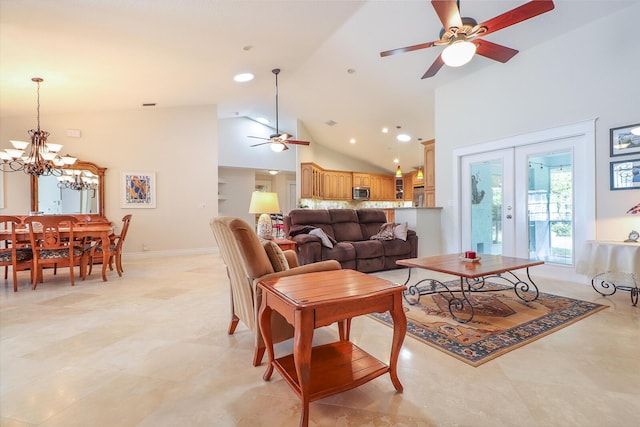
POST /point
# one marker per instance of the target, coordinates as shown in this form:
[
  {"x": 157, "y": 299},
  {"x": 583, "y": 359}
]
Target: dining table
[{"x": 98, "y": 230}]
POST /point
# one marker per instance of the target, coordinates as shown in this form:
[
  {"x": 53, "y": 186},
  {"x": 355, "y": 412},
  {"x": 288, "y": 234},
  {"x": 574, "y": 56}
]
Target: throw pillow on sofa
[
  {"x": 385, "y": 233},
  {"x": 326, "y": 242},
  {"x": 400, "y": 231}
]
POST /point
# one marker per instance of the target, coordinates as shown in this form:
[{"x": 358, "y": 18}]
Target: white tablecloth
[{"x": 609, "y": 257}]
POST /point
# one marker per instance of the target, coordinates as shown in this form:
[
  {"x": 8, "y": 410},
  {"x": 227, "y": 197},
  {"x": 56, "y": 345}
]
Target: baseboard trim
[{"x": 169, "y": 253}]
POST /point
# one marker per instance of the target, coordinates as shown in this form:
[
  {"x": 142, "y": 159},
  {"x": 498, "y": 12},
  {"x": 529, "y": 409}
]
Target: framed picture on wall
[
  {"x": 625, "y": 174},
  {"x": 138, "y": 189},
  {"x": 625, "y": 140}
]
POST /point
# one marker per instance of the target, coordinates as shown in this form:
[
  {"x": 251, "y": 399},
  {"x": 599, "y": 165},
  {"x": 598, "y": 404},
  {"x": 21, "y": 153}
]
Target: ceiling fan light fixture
[
  {"x": 458, "y": 53},
  {"x": 277, "y": 147}
]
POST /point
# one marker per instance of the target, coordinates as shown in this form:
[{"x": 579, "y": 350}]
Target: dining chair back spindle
[
  {"x": 54, "y": 245},
  {"x": 14, "y": 253}
]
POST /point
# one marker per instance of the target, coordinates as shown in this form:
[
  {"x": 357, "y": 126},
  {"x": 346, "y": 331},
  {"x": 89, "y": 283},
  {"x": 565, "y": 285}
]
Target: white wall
[
  {"x": 591, "y": 72},
  {"x": 178, "y": 144},
  {"x": 329, "y": 159},
  {"x": 236, "y": 191}
]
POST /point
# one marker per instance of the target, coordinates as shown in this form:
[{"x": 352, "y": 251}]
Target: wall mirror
[{"x": 80, "y": 190}]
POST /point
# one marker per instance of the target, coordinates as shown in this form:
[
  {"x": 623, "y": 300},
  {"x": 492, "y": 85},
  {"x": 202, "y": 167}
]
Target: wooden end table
[
  {"x": 312, "y": 300},
  {"x": 285, "y": 244}
]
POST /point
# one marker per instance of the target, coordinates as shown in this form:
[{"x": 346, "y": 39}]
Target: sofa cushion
[
  {"x": 366, "y": 216},
  {"x": 341, "y": 251},
  {"x": 396, "y": 247},
  {"x": 276, "y": 256},
  {"x": 345, "y": 225},
  {"x": 368, "y": 249},
  {"x": 309, "y": 216},
  {"x": 369, "y": 265}
]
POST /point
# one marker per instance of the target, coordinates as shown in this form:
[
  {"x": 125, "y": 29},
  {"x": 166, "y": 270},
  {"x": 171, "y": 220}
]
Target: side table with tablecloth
[{"x": 611, "y": 266}]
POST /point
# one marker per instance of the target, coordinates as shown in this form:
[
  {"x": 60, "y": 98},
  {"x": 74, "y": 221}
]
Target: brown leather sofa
[{"x": 351, "y": 230}]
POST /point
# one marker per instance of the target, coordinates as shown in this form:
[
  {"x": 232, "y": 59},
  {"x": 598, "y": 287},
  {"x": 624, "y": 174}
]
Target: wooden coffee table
[
  {"x": 312, "y": 300},
  {"x": 473, "y": 276}
]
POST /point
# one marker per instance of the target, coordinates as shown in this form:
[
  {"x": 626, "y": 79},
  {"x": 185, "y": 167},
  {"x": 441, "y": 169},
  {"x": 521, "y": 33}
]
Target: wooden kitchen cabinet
[
  {"x": 429, "y": 173},
  {"x": 337, "y": 185},
  {"x": 311, "y": 179},
  {"x": 361, "y": 179},
  {"x": 319, "y": 183}
]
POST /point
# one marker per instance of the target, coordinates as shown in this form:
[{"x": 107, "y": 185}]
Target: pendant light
[{"x": 420, "y": 174}]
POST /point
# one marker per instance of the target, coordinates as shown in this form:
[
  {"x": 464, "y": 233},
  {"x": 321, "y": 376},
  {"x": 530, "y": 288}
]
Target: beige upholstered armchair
[{"x": 248, "y": 260}]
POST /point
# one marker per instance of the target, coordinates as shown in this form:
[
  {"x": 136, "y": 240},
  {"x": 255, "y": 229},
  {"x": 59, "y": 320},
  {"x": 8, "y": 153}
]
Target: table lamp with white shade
[{"x": 264, "y": 203}]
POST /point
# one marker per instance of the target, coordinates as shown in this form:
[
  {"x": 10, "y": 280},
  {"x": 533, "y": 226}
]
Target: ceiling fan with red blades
[
  {"x": 278, "y": 140},
  {"x": 462, "y": 35}
]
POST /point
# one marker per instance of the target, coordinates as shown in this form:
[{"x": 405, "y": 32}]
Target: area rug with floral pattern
[{"x": 501, "y": 323}]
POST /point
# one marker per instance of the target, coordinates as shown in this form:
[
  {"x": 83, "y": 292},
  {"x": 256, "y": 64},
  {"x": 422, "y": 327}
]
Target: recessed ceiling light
[
  {"x": 352, "y": 140},
  {"x": 243, "y": 77},
  {"x": 403, "y": 137},
  {"x": 263, "y": 120},
  {"x": 385, "y": 130}
]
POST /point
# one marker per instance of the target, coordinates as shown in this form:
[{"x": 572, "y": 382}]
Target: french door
[
  {"x": 533, "y": 197},
  {"x": 488, "y": 201}
]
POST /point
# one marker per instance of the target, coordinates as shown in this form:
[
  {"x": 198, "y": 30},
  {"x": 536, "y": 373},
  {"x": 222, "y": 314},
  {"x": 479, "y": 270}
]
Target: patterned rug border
[{"x": 508, "y": 340}]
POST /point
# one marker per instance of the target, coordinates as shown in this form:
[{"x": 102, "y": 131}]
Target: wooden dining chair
[
  {"x": 115, "y": 248},
  {"x": 85, "y": 242},
  {"x": 14, "y": 254},
  {"x": 52, "y": 241}
]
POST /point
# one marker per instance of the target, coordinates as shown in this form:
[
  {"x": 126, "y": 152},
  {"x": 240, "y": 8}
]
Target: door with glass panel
[
  {"x": 519, "y": 202},
  {"x": 488, "y": 203},
  {"x": 547, "y": 170}
]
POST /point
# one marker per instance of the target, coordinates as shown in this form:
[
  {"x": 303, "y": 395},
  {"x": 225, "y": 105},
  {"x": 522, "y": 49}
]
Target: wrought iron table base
[
  {"x": 526, "y": 291},
  {"x": 605, "y": 287}
]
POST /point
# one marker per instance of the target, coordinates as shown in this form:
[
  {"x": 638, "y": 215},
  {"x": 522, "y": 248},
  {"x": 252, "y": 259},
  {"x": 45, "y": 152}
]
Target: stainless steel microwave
[{"x": 361, "y": 193}]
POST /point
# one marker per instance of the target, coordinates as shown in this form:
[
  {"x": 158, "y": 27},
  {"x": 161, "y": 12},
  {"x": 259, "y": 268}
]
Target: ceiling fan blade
[
  {"x": 406, "y": 49},
  {"x": 435, "y": 67},
  {"x": 295, "y": 141},
  {"x": 259, "y": 137},
  {"x": 519, "y": 14},
  {"x": 448, "y": 12},
  {"x": 262, "y": 143},
  {"x": 494, "y": 51}
]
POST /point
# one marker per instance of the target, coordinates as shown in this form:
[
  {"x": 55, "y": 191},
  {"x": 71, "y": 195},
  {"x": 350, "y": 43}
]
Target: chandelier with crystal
[
  {"x": 77, "y": 180},
  {"x": 38, "y": 158}
]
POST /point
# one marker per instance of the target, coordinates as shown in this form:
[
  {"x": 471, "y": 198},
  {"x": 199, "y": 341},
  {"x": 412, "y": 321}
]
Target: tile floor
[{"x": 151, "y": 349}]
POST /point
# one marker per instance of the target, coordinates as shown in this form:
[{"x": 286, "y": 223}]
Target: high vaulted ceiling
[{"x": 118, "y": 54}]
